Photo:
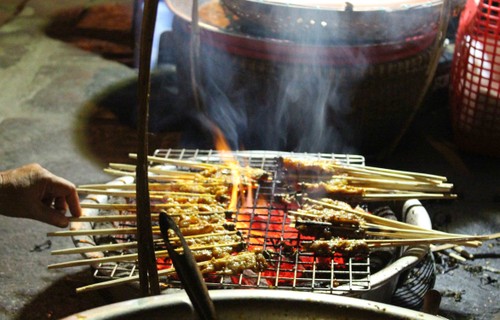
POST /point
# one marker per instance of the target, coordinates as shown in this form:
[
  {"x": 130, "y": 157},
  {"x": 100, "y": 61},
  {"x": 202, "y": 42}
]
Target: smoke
[{"x": 280, "y": 104}]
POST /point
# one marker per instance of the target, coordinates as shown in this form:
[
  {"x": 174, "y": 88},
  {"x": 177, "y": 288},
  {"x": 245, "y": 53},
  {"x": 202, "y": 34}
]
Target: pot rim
[{"x": 181, "y": 299}]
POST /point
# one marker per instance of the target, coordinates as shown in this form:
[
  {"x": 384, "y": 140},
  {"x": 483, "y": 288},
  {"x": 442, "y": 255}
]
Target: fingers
[
  {"x": 55, "y": 217},
  {"x": 65, "y": 195},
  {"x": 73, "y": 202}
]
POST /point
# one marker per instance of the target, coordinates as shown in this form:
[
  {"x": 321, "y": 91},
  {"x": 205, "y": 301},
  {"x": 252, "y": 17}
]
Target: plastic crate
[{"x": 475, "y": 79}]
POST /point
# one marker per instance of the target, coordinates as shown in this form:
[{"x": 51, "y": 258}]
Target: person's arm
[{"x": 35, "y": 193}]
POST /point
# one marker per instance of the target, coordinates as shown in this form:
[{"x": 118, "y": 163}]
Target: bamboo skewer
[
  {"x": 409, "y": 185},
  {"x": 184, "y": 163},
  {"x": 97, "y": 232},
  {"x": 231, "y": 163},
  {"x": 132, "y": 207},
  {"x": 399, "y": 174},
  {"x": 403, "y": 196},
  {"x": 99, "y": 248},
  {"x": 449, "y": 254},
  {"x": 133, "y": 256},
  {"x": 165, "y": 174},
  {"x": 152, "y": 186},
  {"x": 132, "y": 194},
  {"x": 133, "y": 217},
  {"x": 155, "y": 170},
  {"x": 459, "y": 249},
  {"x": 439, "y": 240},
  {"x": 412, "y": 174}
]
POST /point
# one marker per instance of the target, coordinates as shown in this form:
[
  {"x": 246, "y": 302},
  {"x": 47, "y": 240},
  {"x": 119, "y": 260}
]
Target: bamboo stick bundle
[
  {"x": 200, "y": 238},
  {"x": 134, "y": 256},
  {"x": 152, "y": 186},
  {"x": 406, "y": 196},
  {"x": 156, "y": 170},
  {"x": 133, "y": 217},
  {"x": 109, "y": 231},
  {"x": 98, "y": 248},
  {"x": 98, "y": 232},
  {"x": 389, "y": 174},
  {"x": 341, "y": 188},
  {"x": 165, "y": 175},
  {"x": 393, "y": 184},
  {"x": 132, "y": 207},
  {"x": 153, "y": 193},
  {"x": 183, "y": 163},
  {"x": 437, "y": 240},
  {"x": 400, "y": 173}
]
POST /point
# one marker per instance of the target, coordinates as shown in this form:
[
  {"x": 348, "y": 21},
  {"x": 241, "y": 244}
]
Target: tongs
[{"x": 187, "y": 270}]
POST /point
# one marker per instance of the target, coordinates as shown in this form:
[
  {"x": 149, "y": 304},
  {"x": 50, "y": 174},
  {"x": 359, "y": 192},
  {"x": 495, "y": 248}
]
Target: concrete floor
[{"x": 57, "y": 64}]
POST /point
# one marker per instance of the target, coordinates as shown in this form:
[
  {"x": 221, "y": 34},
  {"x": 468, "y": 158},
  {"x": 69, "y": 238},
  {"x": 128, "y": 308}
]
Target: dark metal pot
[{"x": 271, "y": 93}]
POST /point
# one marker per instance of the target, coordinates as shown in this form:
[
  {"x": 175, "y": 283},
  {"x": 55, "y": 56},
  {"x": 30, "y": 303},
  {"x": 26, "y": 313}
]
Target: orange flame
[{"x": 232, "y": 163}]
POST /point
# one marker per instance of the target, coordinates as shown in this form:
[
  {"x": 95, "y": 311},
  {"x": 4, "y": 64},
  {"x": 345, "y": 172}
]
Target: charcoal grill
[{"x": 264, "y": 225}]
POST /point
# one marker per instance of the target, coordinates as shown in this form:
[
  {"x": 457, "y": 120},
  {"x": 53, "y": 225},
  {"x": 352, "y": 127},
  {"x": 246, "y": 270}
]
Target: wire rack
[{"x": 264, "y": 225}]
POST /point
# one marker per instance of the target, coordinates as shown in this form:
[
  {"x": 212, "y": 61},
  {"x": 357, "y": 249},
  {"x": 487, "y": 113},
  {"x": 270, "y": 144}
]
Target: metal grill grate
[{"x": 265, "y": 225}]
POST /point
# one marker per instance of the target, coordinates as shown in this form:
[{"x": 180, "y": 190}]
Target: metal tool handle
[{"x": 187, "y": 270}]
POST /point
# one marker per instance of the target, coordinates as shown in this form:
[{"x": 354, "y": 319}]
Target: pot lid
[
  {"x": 302, "y": 21},
  {"x": 353, "y": 5}
]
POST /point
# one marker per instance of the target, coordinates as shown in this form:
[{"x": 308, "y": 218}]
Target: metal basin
[{"x": 253, "y": 304}]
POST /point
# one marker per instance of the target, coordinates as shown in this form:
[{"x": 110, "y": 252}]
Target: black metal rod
[
  {"x": 187, "y": 270},
  {"x": 148, "y": 273},
  {"x": 194, "y": 57}
]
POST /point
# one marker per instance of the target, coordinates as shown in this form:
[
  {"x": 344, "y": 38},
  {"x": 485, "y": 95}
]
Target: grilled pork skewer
[
  {"x": 371, "y": 218},
  {"x": 329, "y": 167},
  {"x": 329, "y": 178},
  {"x": 213, "y": 169},
  {"x": 337, "y": 188},
  {"x": 329, "y": 218},
  {"x": 326, "y": 223},
  {"x": 229, "y": 265},
  {"x": 327, "y": 248}
]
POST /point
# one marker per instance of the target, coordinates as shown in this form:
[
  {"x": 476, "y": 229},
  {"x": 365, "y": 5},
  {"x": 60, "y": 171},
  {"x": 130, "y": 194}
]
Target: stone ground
[{"x": 58, "y": 59}]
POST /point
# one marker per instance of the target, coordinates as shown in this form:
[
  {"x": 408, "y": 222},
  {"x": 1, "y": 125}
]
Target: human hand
[{"x": 35, "y": 193}]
